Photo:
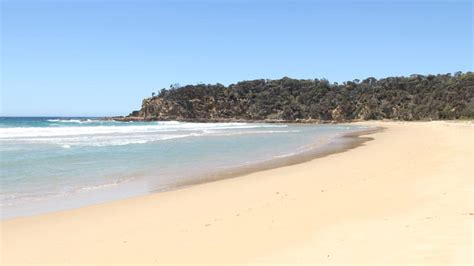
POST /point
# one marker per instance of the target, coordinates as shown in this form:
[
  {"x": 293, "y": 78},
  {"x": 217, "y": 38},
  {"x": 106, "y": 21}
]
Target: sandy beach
[{"x": 405, "y": 196}]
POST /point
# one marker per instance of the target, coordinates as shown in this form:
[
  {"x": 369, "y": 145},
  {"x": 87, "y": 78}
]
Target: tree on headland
[
  {"x": 162, "y": 92},
  {"x": 175, "y": 86}
]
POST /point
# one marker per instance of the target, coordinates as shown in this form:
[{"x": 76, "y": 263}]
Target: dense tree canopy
[{"x": 416, "y": 97}]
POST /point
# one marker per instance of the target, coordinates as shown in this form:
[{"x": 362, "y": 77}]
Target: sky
[{"x": 101, "y": 58}]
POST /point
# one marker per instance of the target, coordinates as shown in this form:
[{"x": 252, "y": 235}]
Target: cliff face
[{"x": 401, "y": 98}]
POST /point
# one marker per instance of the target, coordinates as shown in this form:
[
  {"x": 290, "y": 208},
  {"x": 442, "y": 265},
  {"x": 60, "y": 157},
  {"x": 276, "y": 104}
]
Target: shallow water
[{"x": 50, "y": 164}]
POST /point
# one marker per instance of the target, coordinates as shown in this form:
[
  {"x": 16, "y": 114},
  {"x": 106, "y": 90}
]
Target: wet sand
[{"x": 403, "y": 197}]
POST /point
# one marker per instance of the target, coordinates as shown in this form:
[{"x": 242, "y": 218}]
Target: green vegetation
[{"x": 416, "y": 97}]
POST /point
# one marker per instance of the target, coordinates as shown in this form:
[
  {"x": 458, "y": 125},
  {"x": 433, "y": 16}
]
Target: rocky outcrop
[{"x": 401, "y": 98}]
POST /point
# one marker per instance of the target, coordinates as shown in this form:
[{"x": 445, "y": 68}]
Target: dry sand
[{"x": 404, "y": 197}]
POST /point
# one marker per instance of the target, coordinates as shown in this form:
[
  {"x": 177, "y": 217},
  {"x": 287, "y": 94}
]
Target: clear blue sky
[{"x": 98, "y": 58}]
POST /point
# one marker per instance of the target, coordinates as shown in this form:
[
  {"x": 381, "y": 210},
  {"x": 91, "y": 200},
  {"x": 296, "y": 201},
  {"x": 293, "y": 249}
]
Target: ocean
[{"x": 54, "y": 163}]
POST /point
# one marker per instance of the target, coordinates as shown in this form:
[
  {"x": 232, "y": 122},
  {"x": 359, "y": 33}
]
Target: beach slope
[{"x": 403, "y": 197}]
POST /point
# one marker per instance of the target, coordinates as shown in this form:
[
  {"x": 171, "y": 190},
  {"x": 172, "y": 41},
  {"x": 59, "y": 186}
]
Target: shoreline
[
  {"x": 403, "y": 198},
  {"x": 337, "y": 143}
]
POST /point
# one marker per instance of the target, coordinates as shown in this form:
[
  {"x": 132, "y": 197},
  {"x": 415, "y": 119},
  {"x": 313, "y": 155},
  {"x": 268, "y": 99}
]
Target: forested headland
[{"x": 417, "y": 97}]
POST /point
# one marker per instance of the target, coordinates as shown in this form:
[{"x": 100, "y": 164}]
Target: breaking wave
[{"x": 118, "y": 134}]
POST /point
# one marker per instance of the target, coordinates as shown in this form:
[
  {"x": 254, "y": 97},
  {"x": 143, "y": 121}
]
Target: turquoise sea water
[{"x": 49, "y": 163}]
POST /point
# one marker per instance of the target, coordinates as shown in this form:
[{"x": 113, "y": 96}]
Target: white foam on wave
[
  {"x": 65, "y": 121},
  {"x": 118, "y": 134},
  {"x": 29, "y": 132},
  {"x": 285, "y": 155},
  {"x": 100, "y": 186},
  {"x": 77, "y": 121},
  {"x": 103, "y": 141}
]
